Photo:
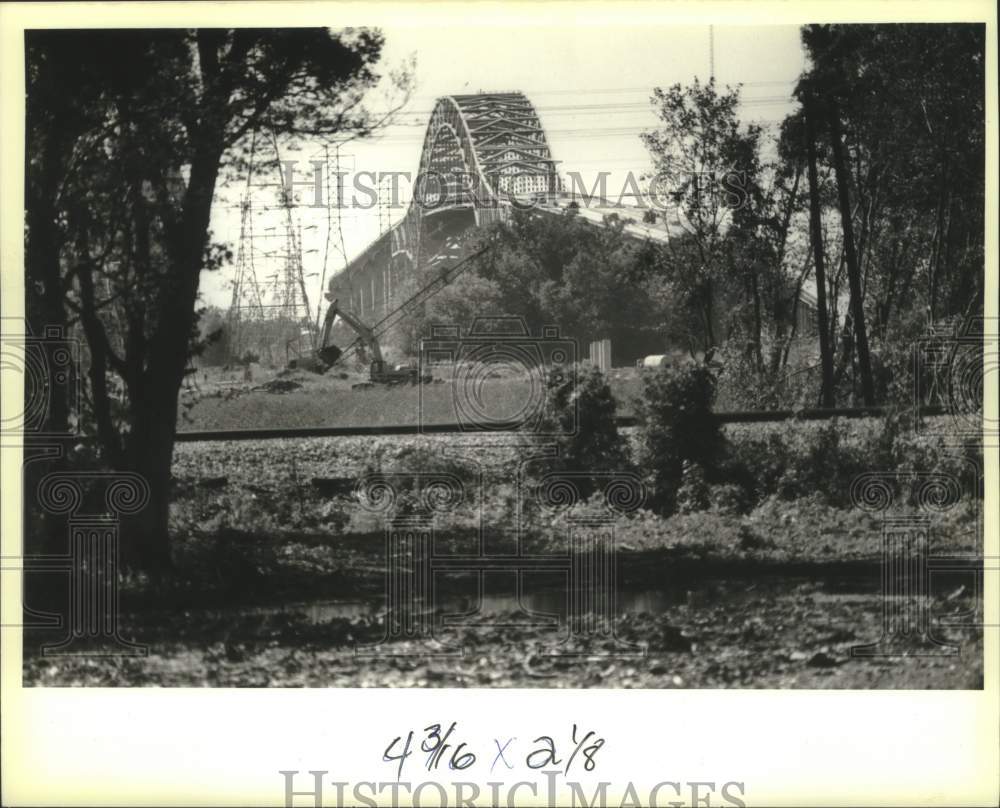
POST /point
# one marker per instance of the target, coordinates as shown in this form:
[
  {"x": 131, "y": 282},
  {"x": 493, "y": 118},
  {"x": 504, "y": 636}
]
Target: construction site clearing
[{"x": 231, "y": 398}]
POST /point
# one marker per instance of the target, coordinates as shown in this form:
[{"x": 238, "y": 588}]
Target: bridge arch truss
[{"x": 480, "y": 153}]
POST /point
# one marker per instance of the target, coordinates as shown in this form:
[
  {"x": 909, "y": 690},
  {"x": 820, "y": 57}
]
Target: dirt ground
[
  {"x": 756, "y": 636},
  {"x": 280, "y": 582}
]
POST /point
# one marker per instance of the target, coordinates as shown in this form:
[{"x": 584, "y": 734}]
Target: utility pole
[{"x": 711, "y": 52}]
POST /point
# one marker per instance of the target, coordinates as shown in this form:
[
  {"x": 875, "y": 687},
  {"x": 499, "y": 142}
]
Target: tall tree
[
  {"x": 850, "y": 255},
  {"x": 816, "y": 237},
  {"x": 156, "y": 116},
  {"x": 908, "y": 101},
  {"x": 827, "y": 83},
  {"x": 706, "y": 167}
]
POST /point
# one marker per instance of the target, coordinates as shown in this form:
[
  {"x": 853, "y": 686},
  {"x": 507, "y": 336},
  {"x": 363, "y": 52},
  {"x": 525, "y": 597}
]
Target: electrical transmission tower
[
  {"x": 334, "y": 250},
  {"x": 270, "y": 313},
  {"x": 293, "y": 310},
  {"x": 246, "y": 313},
  {"x": 246, "y": 308}
]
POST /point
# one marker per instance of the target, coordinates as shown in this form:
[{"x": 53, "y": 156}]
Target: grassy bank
[{"x": 301, "y": 399}]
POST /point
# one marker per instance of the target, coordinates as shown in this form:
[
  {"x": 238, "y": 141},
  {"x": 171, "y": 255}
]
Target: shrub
[
  {"x": 693, "y": 494},
  {"x": 821, "y": 459},
  {"x": 823, "y": 466},
  {"x": 676, "y": 425},
  {"x": 728, "y": 498},
  {"x": 411, "y": 457},
  {"x": 743, "y": 385},
  {"x": 761, "y": 463},
  {"x": 961, "y": 460},
  {"x": 580, "y": 411},
  {"x": 803, "y": 459}
]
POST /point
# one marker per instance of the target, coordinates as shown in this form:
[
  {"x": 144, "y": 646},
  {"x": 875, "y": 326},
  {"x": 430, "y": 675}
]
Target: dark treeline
[{"x": 129, "y": 133}]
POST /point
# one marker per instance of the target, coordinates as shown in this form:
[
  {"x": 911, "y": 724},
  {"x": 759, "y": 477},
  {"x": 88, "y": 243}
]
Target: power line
[
  {"x": 646, "y": 88},
  {"x": 600, "y": 108}
]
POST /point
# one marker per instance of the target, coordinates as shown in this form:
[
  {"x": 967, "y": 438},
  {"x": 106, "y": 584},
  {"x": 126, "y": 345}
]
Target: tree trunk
[
  {"x": 816, "y": 233},
  {"x": 93, "y": 329},
  {"x": 709, "y": 309},
  {"x": 155, "y": 397},
  {"x": 758, "y": 326},
  {"x": 154, "y": 419},
  {"x": 777, "y": 301},
  {"x": 853, "y": 270}
]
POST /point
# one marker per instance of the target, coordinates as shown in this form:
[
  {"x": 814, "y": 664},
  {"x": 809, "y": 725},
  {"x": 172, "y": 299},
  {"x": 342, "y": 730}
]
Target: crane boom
[
  {"x": 329, "y": 353},
  {"x": 364, "y": 331}
]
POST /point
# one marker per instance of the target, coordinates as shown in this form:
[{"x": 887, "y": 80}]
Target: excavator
[
  {"x": 327, "y": 354},
  {"x": 378, "y": 373}
]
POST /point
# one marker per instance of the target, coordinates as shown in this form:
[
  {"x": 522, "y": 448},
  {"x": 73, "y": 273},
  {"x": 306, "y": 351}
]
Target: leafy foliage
[
  {"x": 580, "y": 411},
  {"x": 914, "y": 152},
  {"x": 129, "y": 132},
  {"x": 554, "y": 270},
  {"x": 677, "y": 427}
]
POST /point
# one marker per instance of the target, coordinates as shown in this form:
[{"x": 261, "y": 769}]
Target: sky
[{"x": 590, "y": 84}]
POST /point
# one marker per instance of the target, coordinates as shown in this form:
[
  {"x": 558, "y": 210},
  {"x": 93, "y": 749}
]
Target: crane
[{"x": 328, "y": 353}]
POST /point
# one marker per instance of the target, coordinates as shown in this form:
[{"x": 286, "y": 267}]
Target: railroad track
[{"x": 745, "y": 417}]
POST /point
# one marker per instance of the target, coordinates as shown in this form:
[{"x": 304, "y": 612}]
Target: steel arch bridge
[
  {"x": 483, "y": 154},
  {"x": 479, "y": 152}
]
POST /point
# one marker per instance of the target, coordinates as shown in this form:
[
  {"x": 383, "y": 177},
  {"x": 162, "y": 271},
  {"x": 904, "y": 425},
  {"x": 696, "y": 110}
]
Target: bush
[
  {"x": 742, "y": 385},
  {"x": 677, "y": 426},
  {"x": 823, "y": 466},
  {"x": 803, "y": 460},
  {"x": 729, "y": 498},
  {"x": 694, "y": 493},
  {"x": 756, "y": 464},
  {"x": 821, "y": 459},
  {"x": 580, "y": 411}
]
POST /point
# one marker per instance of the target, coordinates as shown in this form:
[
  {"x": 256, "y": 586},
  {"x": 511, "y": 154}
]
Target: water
[
  {"x": 541, "y": 605},
  {"x": 548, "y": 606}
]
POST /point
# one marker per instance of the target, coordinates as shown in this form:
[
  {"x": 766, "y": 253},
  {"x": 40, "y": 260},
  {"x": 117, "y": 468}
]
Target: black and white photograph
[
  {"x": 359, "y": 359},
  {"x": 502, "y": 356}
]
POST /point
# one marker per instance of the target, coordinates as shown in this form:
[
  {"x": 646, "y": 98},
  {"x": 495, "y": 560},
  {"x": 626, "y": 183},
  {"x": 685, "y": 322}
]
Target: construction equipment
[
  {"x": 379, "y": 373},
  {"x": 327, "y": 354}
]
